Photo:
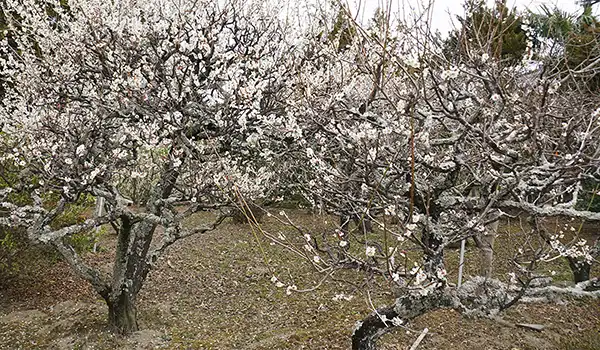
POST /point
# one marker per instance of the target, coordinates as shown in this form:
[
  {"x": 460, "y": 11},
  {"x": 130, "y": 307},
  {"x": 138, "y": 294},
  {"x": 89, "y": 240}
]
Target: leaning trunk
[
  {"x": 477, "y": 297},
  {"x": 122, "y": 314},
  {"x": 370, "y": 329},
  {"x": 406, "y": 308}
]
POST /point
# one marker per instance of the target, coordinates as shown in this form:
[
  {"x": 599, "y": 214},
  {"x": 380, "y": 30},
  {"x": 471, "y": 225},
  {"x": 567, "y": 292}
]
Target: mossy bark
[{"x": 122, "y": 314}]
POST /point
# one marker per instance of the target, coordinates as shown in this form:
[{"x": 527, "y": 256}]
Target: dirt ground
[{"x": 213, "y": 291}]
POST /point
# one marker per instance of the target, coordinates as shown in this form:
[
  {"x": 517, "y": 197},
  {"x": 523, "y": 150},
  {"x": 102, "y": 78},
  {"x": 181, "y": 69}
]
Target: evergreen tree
[{"x": 496, "y": 32}]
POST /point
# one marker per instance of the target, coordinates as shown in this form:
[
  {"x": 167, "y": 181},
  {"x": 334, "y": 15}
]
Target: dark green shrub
[{"x": 590, "y": 198}]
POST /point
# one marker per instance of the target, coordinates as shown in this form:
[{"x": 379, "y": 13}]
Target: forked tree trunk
[
  {"x": 131, "y": 267},
  {"x": 129, "y": 272},
  {"x": 122, "y": 314},
  {"x": 132, "y": 261}
]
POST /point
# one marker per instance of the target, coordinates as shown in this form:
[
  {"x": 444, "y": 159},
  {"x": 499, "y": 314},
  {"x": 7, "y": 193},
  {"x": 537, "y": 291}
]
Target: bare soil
[{"x": 213, "y": 291}]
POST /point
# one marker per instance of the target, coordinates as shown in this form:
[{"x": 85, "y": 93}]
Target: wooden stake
[
  {"x": 461, "y": 262},
  {"x": 419, "y": 339}
]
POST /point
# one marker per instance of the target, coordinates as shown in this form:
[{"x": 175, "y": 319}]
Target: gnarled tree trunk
[
  {"x": 122, "y": 313},
  {"x": 479, "y": 296},
  {"x": 371, "y": 328},
  {"x": 406, "y": 308},
  {"x": 130, "y": 271}
]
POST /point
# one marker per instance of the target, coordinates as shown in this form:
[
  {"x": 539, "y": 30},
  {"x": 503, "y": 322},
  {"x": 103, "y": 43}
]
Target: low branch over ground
[{"x": 478, "y": 297}]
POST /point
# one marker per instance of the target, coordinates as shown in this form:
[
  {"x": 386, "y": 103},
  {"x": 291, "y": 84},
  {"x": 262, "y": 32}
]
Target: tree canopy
[{"x": 213, "y": 106}]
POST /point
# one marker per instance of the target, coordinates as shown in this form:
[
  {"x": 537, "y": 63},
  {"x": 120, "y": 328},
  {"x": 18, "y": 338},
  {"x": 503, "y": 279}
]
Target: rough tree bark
[
  {"x": 479, "y": 296},
  {"x": 131, "y": 264},
  {"x": 434, "y": 254},
  {"x": 369, "y": 330},
  {"x": 129, "y": 272},
  {"x": 122, "y": 313},
  {"x": 485, "y": 243}
]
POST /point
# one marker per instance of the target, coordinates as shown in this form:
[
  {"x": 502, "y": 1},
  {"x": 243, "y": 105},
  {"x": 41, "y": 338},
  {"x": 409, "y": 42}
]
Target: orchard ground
[{"x": 213, "y": 291}]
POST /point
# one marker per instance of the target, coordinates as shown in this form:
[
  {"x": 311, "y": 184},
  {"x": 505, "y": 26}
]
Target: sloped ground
[{"x": 214, "y": 292}]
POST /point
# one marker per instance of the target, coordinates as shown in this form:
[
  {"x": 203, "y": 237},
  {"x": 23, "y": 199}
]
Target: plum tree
[
  {"x": 214, "y": 103},
  {"x": 136, "y": 89},
  {"x": 438, "y": 127}
]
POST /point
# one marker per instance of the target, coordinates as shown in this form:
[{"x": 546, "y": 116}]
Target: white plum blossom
[
  {"x": 80, "y": 151},
  {"x": 342, "y": 297},
  {"x": 163, "y": 106},
  {"x": 289, "y": 290},
  {"x": 397, "y": 321},
  {"x": 208, "y": 105},
  {"x": 370, "y": 251},
  {"x": 450, "y": 74}
]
